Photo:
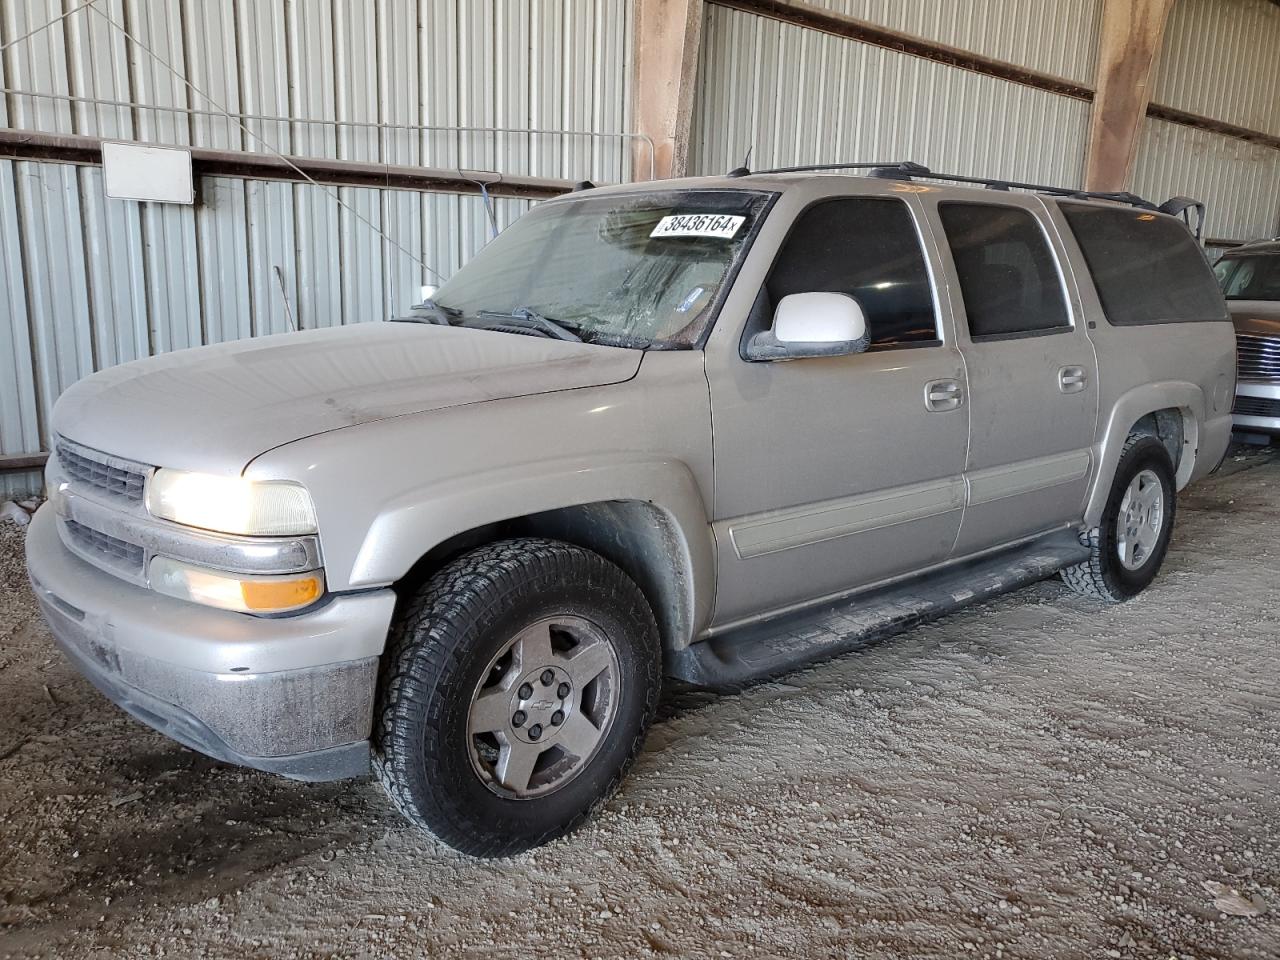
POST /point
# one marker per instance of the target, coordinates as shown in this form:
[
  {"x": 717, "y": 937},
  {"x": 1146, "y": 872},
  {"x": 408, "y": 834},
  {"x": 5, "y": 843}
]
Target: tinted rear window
[{"x": 1146, "y": 266}]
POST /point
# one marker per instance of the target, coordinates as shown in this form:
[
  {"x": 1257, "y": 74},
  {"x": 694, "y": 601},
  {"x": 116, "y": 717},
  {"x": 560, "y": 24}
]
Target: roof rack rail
[
  {"x": 898, "y": 169},
  {"x": 992, "y": 183},
  {"x": 908, "y": 169}
]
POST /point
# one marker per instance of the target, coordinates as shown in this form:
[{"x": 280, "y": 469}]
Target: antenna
[{"x": 744, "y": 170}]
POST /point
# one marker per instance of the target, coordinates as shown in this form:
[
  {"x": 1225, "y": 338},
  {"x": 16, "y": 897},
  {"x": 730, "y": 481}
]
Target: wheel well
[
  {"x": 638, "y": 536},
  {"x": 1169, "y": 427}
]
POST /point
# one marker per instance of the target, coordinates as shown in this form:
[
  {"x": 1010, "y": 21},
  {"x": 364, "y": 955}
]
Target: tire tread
[
  {"x": 1089, "y": 578},
  {"x": 425, "y": 652}
]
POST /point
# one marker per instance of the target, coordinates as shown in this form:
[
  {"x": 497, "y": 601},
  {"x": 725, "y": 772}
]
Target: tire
[
  {"x": 1105, "y": 576},
  {"x": 445, "y": 674}
]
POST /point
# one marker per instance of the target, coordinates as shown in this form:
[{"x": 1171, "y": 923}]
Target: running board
[{"x": 777, "y": 646}]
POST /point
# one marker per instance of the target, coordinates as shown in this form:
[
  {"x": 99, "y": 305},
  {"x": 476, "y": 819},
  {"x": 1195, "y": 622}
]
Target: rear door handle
[
  {"x": 1072, "y": 379},
  {"x": 942, "y": 395}
]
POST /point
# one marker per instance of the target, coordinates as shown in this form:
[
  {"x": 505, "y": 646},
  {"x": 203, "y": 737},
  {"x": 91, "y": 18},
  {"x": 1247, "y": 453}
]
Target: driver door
[{"x": 835, "y": 473}]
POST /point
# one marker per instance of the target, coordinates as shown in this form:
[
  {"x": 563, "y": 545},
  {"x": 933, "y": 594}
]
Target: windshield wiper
[
  {"x": 530, "y": 320},
  {"x": 428, "y": 311}
]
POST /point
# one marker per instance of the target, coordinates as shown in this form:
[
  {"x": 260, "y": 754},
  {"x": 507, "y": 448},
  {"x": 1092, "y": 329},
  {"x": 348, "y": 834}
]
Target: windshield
[
  {"x": 635, "y": 270},
  {"x": 1249, "y": 277}
]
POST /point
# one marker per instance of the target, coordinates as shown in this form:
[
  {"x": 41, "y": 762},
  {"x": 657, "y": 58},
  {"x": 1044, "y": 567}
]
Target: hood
[
  {"x": 215, "y": 408},
  {"x": 1261, "y": 317}
]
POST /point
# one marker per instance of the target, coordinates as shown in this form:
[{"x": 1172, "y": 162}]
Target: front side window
[
  {"x": 866, "y": 247},
  {"x": 1146, "y": 267},
  {"x": 1250, "y": 276},
  {"x": 637, "y": 269},
  {"x": 1008, "y": 277}
]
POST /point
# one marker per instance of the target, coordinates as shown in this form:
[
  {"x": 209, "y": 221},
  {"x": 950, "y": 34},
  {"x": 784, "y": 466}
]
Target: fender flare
[
  {"x": 422, "y": 518},
  {"x": 1131, "y": 407}
]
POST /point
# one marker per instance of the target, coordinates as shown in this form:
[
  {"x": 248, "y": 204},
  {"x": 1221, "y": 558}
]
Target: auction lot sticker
[{"x": 698, "y": 225}]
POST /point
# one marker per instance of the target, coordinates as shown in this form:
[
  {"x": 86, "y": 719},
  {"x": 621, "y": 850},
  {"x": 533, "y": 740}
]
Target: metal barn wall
[
  {"x": 545, "y": 64},
  {"x": 87, "y": 282},
  {"x": 1238, "y": 181},
  {"x": 1058, "y": 37},
  {"x": 795, "y": 95},
  {"x": 1220, "y": 59}
]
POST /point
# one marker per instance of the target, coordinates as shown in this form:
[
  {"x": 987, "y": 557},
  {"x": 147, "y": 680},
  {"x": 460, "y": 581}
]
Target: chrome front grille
[
  {"x": 1257, "y": 357},
  {"x": 97, "y": 496},
  {"x": 1257, "y": 407},
  {"x": 120, "y": 478},
  {"x": 120, "y": 554}
]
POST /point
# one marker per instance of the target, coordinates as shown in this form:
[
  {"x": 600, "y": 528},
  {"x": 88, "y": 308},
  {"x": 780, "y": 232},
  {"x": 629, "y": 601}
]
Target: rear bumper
[
  {"x": 289, "y": 695},
  {"x": 1257, "y": 407}
]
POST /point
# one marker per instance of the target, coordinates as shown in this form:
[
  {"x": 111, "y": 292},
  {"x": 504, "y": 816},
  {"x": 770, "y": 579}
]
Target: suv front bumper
[
  {"x": 290, "y": 695},
  {"x": 1257, "y": 407}
]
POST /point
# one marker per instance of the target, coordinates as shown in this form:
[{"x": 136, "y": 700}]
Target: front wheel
[
  {"x": 516, "y": 690},
  {"x": 1129, "y": 546}
]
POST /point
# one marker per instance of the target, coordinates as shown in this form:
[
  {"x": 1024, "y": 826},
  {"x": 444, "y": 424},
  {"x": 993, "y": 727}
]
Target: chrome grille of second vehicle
[
  {"x": 102, "y": 472},
  {"x": 1257, "y": 407},
  {"x": 1257, "y": 357}
]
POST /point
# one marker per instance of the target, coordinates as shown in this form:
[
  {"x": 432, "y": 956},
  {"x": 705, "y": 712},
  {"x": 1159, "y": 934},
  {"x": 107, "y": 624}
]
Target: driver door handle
[{"x": 942, "y": 395}]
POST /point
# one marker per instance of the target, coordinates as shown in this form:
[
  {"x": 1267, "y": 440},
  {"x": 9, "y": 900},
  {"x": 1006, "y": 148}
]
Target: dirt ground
[{"x": 1035, "y": 777}]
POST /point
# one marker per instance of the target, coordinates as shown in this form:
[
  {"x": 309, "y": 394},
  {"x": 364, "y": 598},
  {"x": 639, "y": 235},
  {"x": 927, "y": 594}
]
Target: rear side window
[
  {"x": 1008, "y": 276},
  {"x": 868, "y": 248},
  {"x": 1146, "y": 266}
]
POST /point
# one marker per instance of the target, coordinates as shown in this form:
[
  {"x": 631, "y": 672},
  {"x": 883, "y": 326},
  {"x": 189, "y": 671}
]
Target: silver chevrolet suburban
[{"x": 710, "y": 429}]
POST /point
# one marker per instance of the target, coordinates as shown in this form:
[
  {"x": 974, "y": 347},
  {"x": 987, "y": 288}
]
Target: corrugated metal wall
[
  {"x": 1220, "y": 59},
  {"x": 1239, "y": 181},
  {"x": 545, "y": 64},
  {"x": 795, "y": 95},
  {"x": 1058, "y": 37},
  {"x": 86, "y": 282}
]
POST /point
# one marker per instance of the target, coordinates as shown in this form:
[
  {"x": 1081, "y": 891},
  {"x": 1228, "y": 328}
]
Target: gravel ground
[{"x": 1035, "y": 777}]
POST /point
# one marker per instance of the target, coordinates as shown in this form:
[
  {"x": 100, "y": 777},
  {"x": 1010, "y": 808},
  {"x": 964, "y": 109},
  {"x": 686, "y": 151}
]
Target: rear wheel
[
  {"x": 516, "y": 691},
  {"x": 1129, "y": 546}
]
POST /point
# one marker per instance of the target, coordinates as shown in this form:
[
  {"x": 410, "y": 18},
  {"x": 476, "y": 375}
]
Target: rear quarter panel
[{"x": 1142, "y": 368}]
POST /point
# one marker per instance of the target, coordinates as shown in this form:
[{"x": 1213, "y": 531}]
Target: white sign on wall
[{"x": 139, "y": 171}]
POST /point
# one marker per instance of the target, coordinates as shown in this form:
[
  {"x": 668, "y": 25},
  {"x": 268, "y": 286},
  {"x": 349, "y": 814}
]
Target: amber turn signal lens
[
  {"x": 247, "y": 594},
  {"x": 287, "y": 594}
]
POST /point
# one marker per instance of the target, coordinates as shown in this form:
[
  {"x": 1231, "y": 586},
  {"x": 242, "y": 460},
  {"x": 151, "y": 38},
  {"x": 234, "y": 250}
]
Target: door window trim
[
  {"x": 1055, "y": 256},
  {"x": 913, "y": 213}
]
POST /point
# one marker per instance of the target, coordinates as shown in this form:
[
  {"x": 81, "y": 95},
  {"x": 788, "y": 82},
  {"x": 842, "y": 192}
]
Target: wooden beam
[
  {"x": 664, "y": 73},
  {"x": 67, "y": 148},
  {"x": 851, "y": 28},
  {"x": 1183, "y": 118},
  {"x": 1128, "y": 42},
  {"x": 14, "y": 462}
]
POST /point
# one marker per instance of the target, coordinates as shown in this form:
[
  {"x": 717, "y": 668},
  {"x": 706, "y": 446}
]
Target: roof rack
[
  {"x": 908, "y": 169},
  {"x": 897, "y": 170}
]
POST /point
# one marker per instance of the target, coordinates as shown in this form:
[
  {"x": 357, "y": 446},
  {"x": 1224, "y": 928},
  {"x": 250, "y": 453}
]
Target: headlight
[
  {"x": 247, "y": 594},
  {"x": 231, "y": 504}
]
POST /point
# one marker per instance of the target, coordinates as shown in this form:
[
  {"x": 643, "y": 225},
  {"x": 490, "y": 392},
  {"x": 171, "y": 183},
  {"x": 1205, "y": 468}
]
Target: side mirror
[{"x": 812, "y": 325}]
